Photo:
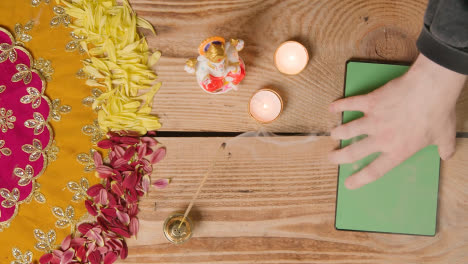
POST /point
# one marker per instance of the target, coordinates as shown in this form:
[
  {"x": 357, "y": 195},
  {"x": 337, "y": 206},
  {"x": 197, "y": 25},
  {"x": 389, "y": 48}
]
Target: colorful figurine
[{"x": 219, "y": 68}]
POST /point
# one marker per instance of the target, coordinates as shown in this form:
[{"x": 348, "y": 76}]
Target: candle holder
[
  {"x": 291, "y": 58},
  {"x": 266, "y": 98}
]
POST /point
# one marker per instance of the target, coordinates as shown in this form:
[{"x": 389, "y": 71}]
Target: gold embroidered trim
[
  {"x": 21, "y": 33},
  {"x": 65, "y": 217},
  {"x": 44, "y": 67},
  {"x": 24, "y": 73},
  {"x": 80, "y": 74},
  {"x": 6, "y": 224},
  {"x": 33, "y": 97},
  {"x": 11, "y": 198},
  {"x": 79, "y": 190},
  {"x": 6, "y": 119},
  {"x": 38, "y": 123},
  {"x": 61, "y": 17},
  {"x": 34, "y": 150},
  {"x": 52, "y": 152},
  {"x": 38, "y": 196},
  {"x": 4, "y": 150},
  {"x": 26, "y": 175},
  {"x": 46, "y": 242},
  {"x": 94, "y": 131},
  {"x": 21, "y": 258},
  {"x": 36, "y": 3},
  {"x": 87, "y": 160},
  {"x": 8, "y": 52},
  {"x": 88, "y": 101},
  {"x": 2, "y": 88},
  {"x": 77, "y": 43},
  {"x": 58, "y": 109}
]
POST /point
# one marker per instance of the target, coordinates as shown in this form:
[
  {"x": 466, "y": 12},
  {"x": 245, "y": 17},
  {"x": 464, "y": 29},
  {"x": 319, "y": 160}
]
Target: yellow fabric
[{"x": 49, "y": 43}]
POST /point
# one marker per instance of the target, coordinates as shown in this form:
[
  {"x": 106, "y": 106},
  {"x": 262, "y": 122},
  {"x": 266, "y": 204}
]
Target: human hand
[{"x": 400, "y": 118}]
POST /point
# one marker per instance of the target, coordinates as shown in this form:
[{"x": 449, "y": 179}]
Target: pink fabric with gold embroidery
[{"x": 13, "y": 131}]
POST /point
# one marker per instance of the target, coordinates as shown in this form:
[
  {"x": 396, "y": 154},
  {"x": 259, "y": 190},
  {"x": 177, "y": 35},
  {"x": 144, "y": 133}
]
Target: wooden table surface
[{"x": 279, "y": 206}]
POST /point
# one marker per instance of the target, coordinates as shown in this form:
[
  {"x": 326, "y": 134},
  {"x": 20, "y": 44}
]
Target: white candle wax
[
  {"x": 265, "y": 106},
  {"x": 291, "y": 57}
]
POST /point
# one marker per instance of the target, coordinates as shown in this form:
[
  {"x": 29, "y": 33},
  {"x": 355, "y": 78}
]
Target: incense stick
[{"x": 208, "y": 172}]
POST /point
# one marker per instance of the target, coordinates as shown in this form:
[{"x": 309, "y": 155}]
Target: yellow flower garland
[{"x": 120, "y": 63}]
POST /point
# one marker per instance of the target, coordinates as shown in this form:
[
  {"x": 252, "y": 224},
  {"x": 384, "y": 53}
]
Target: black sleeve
[{"x": 444, "y": 37}]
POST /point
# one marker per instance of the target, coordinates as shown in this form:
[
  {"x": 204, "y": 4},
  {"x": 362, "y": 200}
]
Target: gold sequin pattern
[
  {"x": 26, "y": 175},
  {"x": 21, "y": 32},
  {"x": 61, "y": 17},
  {"x": 38, "y": 2},
  {"x": 94, "y": 131},
  {"x": 38, "y": 195},
  {"x": 88, "y": 101},
  {"x": 75, "y": 43},
  {"x": 38, "y": 123},
  {"x": 6, "y": 119},
  {"x": 52, "y": 151},
  {"x": 24, "y": 74},
  {"x": 34, "y": 150},
  {"x": 11, "y": 198},
  {"x": 58, "y": 109},
  {"x": 8, "y": 52},
  {"x": 44, "y": 67},
  {"x": 87, "y": 160},
  {"x": 79, "y": 189},
  {"x": 65, "y": 217},
  {"x": 33, "y": 97},
  {"x": 46, "y": 242},
  {"x": 4, "y": 150},
  {"x": 21, "y": 258}
]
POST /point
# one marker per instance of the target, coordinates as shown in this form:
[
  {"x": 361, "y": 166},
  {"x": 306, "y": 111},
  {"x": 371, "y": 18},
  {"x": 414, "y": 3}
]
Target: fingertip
[
  {"x": 446, "y": 145},
  {"x": 350, "y": 183},
  {"x": 446, "y": 157},
  {"x": 447, "y": 152}
]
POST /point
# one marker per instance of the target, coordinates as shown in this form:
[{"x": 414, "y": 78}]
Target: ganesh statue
[{"x": 218, "y": 67}]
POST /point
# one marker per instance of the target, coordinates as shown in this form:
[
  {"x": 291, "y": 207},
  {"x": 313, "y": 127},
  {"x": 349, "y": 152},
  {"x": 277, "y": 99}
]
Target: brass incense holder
[{"x": 177, "y": 229}]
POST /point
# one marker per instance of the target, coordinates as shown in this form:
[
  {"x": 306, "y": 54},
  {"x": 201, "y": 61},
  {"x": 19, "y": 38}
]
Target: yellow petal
[
  {"x": 154, "y": 58},
  {"x": 120, "y": 61},
  {"x": 145, "y": 24}
]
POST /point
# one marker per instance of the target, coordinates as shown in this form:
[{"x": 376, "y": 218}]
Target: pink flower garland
[{"x": 114, "y": 203}]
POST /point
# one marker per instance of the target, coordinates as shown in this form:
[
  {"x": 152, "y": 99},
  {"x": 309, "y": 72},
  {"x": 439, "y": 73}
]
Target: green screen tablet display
[{"x": 405, "y": 199}]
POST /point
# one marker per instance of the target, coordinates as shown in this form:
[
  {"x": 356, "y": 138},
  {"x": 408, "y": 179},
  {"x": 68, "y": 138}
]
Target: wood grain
[
  {"x": 334, "y": 31},
  {"x": 278, "y": 206}
]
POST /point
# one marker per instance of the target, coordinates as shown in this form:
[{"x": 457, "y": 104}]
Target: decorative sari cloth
[
  {"x": 24, "y": 115},
  {"x": 49, "y": 131}
]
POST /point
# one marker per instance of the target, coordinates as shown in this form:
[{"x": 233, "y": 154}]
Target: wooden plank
[
  {"x": 279, "y": 207},
  {"x": 332, "y": 30}
]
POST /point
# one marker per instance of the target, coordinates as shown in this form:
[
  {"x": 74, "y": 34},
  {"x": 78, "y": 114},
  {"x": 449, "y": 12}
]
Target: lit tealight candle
[
  {"x": 291, "y": 57},
  {"x": 265, "y": 106}
]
